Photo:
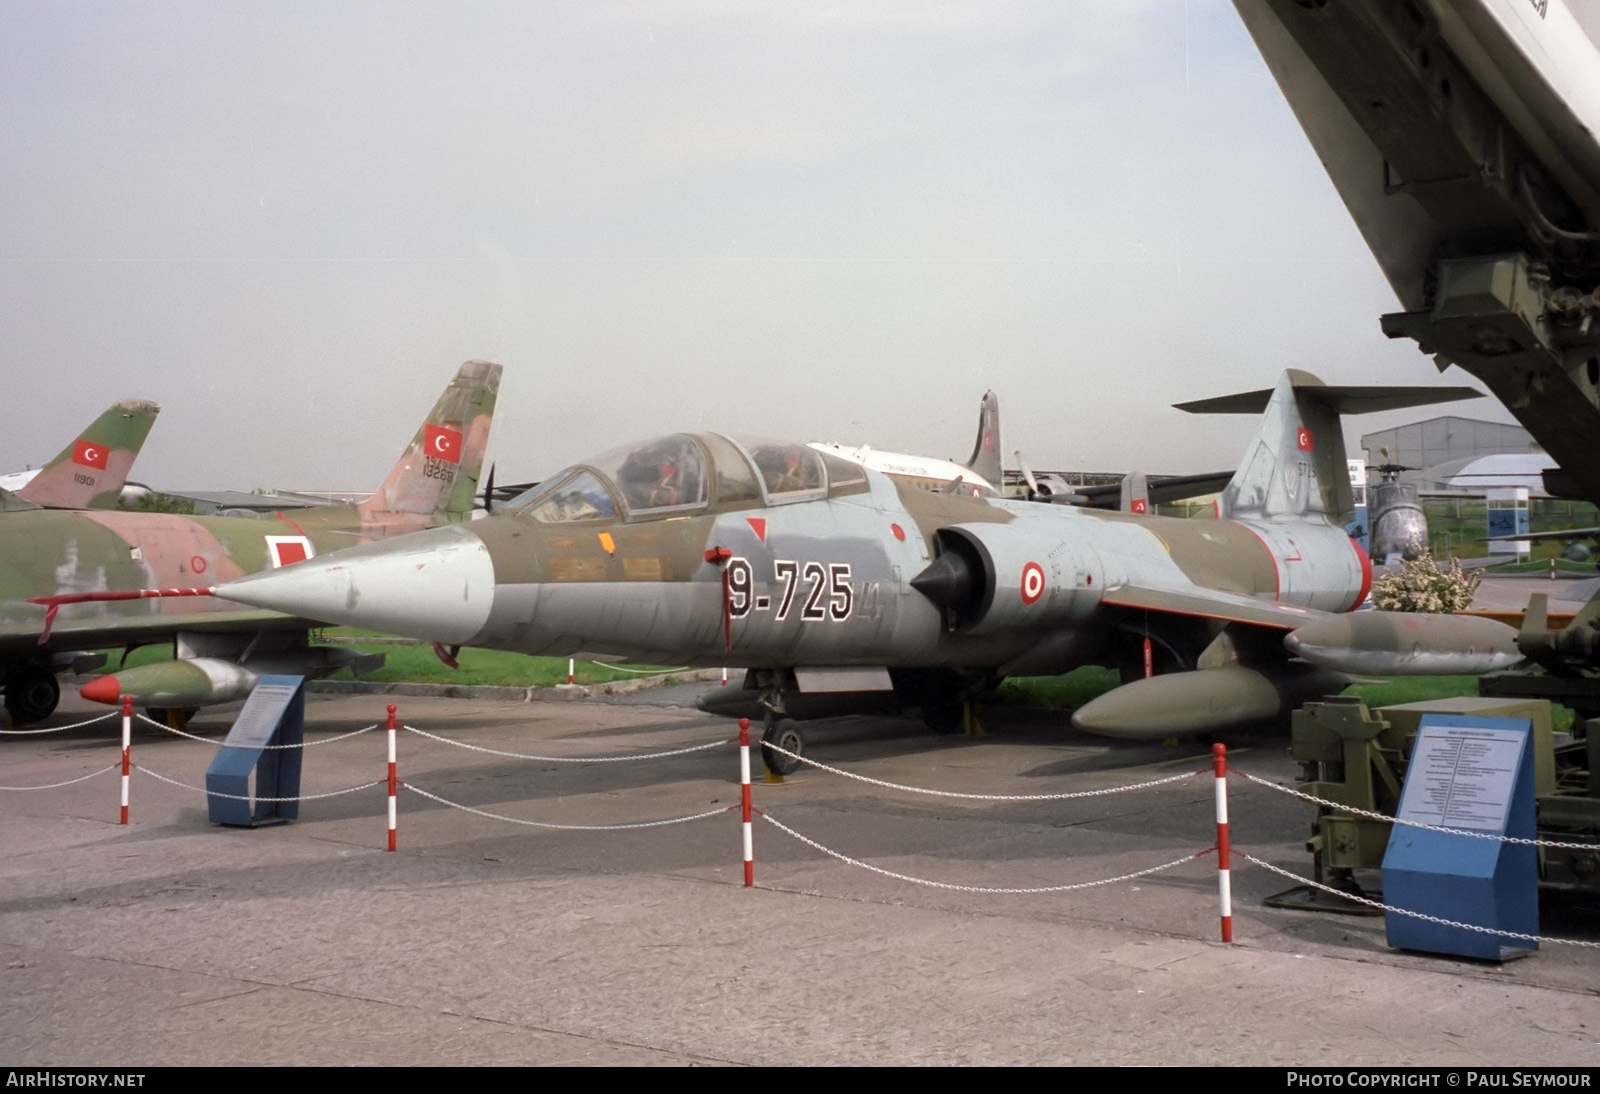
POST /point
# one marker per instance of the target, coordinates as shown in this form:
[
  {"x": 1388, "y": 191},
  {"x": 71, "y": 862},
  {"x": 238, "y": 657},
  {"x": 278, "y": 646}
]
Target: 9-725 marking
[{"x": 828, "y": 593}]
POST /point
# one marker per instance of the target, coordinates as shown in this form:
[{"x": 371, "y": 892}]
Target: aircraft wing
[
  {"x": 22, "y": 637},
  {"x": 1162, "y": 489},
  {"x": 1211, "y": 604},
  {"x": 1560, "y": 533}
]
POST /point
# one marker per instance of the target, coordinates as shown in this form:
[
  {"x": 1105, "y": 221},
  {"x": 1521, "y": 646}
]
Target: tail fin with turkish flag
[
  {"x": 436, "y": 478},
  {"x": 90, "y": 472},
  {"x": 1295, "y": 468}
]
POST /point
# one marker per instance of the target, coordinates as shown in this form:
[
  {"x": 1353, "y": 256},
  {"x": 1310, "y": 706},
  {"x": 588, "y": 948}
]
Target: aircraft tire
[
  {"x": 786, "y": 734},
  {"x": 32, "y": 693}
]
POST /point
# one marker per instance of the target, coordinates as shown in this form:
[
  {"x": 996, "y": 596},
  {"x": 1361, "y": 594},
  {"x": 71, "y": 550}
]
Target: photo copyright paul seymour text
[{"x": 1454, "y": 1078}]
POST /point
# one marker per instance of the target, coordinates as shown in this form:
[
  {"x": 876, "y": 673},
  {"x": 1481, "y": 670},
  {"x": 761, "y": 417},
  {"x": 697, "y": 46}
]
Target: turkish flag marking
[
  {"x": 442, "y": 443},
  {"x": 1304, "y": 439},
  {"x": 758, "y": 525},
  {"x": 90, "y": 455},
  {"x": 1140, "y": 505}
]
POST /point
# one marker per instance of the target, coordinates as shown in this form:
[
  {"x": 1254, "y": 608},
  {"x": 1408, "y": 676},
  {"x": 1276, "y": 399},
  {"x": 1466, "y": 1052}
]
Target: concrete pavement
[{"x": 173, "y": 941}]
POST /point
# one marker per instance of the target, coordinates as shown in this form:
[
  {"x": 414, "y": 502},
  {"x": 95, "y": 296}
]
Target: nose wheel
[{"x": 786, "y": 734}]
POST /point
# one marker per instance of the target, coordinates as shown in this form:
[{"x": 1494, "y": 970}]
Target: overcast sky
[{"x": 289, "y": 222}]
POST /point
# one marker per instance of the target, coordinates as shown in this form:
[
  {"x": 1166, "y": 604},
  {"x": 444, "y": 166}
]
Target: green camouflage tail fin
[
  {"x": 90, "y": 472},
  {"x": 436, "y": 478}
]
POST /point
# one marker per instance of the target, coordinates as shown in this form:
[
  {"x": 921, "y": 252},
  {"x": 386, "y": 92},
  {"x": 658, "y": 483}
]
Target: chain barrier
[
  {"x": 1220, "y": 765},
  {"x": 976, "y": 888},
  {"x": 69, "y": 782},
  {"x": 1493, "y": 836},
  {"x": 981, "y": 797},
  {"x": 56, "y": 729},
  {"x": 566, "y": 827},
  {"x": 265, "y": 748},
  {"x": 1497, "y": 932},
  {"x": 568, "y": 759},
  {"x": 257, "y": 798}
]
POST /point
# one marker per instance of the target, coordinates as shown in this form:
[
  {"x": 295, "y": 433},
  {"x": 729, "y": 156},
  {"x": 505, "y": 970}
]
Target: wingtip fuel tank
[
  {"x": 1183, "y": 703},
  {"x": 1406, "y": 644}
]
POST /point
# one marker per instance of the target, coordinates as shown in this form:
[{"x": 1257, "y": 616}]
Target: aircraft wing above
[{"x": 1211, "y": 604}]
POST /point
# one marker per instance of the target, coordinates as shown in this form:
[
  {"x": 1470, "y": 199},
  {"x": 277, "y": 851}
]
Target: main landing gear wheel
[
  {"x": 785, "y": 733},
  {"x": 32, "y": 694}
]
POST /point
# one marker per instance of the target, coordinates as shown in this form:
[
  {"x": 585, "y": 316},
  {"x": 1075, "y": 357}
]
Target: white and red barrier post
[
  {"x": 744, "y": 793},
  {"x": 1219, "y": 764},
  {"x": 127, "y": 745},
  {"x": 392, "y": 782}
]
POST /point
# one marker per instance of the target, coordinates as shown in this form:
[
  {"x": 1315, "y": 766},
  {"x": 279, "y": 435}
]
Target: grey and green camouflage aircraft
[
  {"x": 812, "y": 571},
  {"x": 91, "y": 471},
  {"x": 70, "y": 581}
]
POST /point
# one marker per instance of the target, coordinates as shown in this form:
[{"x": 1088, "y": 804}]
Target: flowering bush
[{"x": 1421, "y": 586}]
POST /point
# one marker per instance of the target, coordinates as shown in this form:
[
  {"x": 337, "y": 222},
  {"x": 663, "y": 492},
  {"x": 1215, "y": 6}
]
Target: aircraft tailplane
[
  {"x": 985, "y": 460},
  {"x": 436, "y": 478},
  {"x": 91, "y": 471},
  {"x": 1294, "y": 467}
]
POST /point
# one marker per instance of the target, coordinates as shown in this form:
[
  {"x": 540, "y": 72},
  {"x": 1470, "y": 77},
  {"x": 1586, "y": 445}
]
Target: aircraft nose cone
[
  {"x": 102, "y": 689},
  {"x": 436, "y": 585}
]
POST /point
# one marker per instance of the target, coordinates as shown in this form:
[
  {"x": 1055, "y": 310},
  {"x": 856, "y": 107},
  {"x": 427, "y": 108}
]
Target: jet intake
[{"x": 992, "y": 577}]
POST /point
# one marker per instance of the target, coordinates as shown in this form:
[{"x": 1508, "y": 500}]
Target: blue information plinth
[
  {"x": 274, "y": 714},
  {"x": 1473, "y": 774}
]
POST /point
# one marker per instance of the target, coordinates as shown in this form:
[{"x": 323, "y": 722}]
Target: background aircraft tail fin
[
  {"x": 986, "y": 452},
  {"x": 436, "y": 478},
  {"x": 1294, "y": 467},
  {"x": 91, "y": 471},
  {"x": 1135, "y": 493}
]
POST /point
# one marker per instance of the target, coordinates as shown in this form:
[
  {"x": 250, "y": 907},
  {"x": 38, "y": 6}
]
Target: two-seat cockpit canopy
[{"x": 685, "y": 473}]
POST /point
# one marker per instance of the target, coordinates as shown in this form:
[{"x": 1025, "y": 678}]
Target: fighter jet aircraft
[
  {"x": 91, "y": 471},
  {"x": 708, "y": 550},
  {"x": 69, "y": 581},
  {"x": 1464, "y": 138}
]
